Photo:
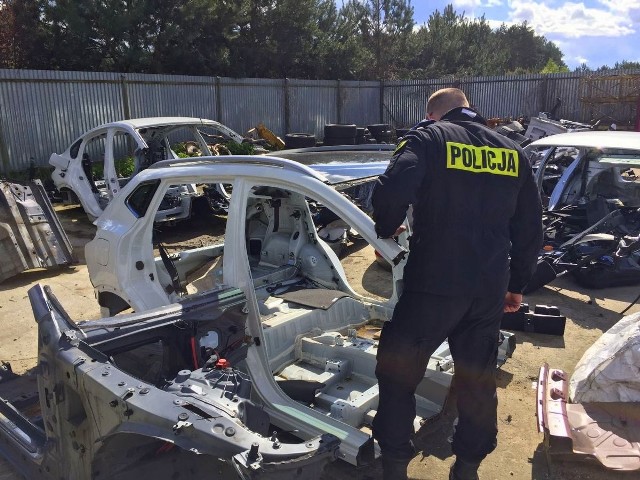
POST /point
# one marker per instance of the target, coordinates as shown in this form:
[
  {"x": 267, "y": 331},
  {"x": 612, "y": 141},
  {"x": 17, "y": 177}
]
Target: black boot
[
  {"x": 464, "y": 470},
  {"x": 394, "y": 468}
]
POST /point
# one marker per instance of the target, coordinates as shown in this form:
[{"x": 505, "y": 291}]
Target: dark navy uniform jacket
[{"x": 477, "y": 218}]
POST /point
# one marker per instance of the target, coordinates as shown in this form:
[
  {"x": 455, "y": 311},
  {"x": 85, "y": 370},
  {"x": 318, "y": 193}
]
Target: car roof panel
[{"x": 594, "y": 139}]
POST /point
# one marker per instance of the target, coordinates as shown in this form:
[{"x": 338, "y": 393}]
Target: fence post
[
  {"x": 381, "y": 112},
  {"x": 125, "y": 97},
  {"x": 4, "y": 153},
  {"x": 339, "y": 101},
  {"x": 218, "y": 100},
  {"x": 287, "y": 107},
  {"x": 544, "y": 93}
]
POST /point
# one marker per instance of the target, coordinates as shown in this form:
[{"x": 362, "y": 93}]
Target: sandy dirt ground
[{"x": 520, "y": 453}]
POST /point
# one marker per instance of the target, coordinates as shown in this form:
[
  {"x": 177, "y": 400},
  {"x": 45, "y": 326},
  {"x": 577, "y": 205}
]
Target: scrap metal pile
[{"x": 589, "y": 182}]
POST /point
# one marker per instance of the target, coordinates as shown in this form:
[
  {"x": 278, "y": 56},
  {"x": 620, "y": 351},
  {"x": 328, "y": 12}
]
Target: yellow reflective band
[
  {"x": 399, "y": 147},
  {"x": 498, "y": 161}
]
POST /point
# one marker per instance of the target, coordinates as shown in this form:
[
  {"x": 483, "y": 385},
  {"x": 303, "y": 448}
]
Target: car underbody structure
[{"x": 172, "y": 389}]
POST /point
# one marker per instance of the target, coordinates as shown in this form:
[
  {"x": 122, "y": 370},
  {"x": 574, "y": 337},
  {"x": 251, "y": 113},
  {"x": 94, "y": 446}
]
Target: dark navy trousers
[{"x": 420, "y": 323}]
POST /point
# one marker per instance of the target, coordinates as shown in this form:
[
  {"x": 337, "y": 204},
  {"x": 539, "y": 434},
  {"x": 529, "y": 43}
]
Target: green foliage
[
  {"x": 527, "y": 51},
  {"x": 583, "y": 68},
  {"x": 623, "y": 65},
  {"x": 553, "y": 67},
  {"x": 180, "y": 149},
  {"x": 240, "y": 148},
  {"x": 316, "y": 39},
  {"x": 451, "y": 44},
  {"x": 627, "y": 65},
  {"x": 22, "y": 176},
  {"x": 388, "y": 27},
  {"x": 234, "y": 148},
  {"x": 125, "y": 167},
  {"x": 97, "y": 170},
  {"x": 23, "y": 35}
]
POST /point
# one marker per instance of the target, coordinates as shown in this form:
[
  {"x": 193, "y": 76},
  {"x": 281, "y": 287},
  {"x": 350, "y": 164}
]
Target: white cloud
[
  {"x": 477, "y": 3},
  {"x": 621, "y": 5},
  {"x": 628, "y": 8},
  {"x": 495, "y": 24},
  {"x": 572, "y": 19}
]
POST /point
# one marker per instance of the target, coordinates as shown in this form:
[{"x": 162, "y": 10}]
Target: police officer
[{"x": 477, "y": 231}]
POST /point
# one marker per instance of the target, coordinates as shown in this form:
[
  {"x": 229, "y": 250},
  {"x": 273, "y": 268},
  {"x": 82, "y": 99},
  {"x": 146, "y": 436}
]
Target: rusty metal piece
[{"x": 606, "y": 432}]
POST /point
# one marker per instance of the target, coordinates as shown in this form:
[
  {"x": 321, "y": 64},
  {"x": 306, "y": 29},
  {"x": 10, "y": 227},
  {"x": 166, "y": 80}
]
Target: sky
[{"x": 595, "y": 32}]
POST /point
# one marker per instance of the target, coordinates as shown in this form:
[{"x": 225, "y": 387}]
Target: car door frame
[{"x": 356, "y": 446}]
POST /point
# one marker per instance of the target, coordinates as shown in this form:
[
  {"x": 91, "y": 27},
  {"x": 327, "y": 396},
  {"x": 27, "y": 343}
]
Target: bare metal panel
[
  {"x": 611, "y": 97},
  {"x": 314, "y": 103},
  {"x": 42, "y": 112},
  {"x": 405, "y": 100},
  {"x": 522, "y": 95},
  {"x": 504, "y": 97},
  {"x": 31, "y": 235},
  {"x": 360, "y": 103}
]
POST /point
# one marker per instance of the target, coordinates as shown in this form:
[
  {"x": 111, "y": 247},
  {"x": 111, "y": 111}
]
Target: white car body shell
[
  {"x": 69, "y": 173},
  {"x": 121, "y": 262}
]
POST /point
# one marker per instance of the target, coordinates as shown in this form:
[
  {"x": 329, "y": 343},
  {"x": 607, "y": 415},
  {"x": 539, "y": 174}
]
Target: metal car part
[
  {"x": 107, "y": 388},
  {"x": 593, "y": 188},
  {"x": 601, "y": 431},
  {"x": 31, "y": 235}
]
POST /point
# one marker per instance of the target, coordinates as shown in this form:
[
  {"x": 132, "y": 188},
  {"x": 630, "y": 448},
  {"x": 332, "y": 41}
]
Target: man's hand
[
  {"x": 512, "y": 302},
  {"x": 401, "y": 228}
]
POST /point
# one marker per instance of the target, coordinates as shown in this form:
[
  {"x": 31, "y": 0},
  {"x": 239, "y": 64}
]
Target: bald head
[{"x": 444, "y": 100}]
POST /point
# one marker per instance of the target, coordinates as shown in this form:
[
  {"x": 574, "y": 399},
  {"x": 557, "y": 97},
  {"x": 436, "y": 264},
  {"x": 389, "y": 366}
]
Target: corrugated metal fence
[{"x": 44, "y": 111}]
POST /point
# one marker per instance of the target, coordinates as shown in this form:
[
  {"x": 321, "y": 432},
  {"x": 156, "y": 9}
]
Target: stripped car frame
[
  {"x": 590, "y": 184},
  {"x": 140, "y": 142}
]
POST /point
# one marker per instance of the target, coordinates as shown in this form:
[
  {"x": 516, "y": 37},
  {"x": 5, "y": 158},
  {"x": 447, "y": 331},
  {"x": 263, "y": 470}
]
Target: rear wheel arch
[{"x": 111, "y": 303}]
